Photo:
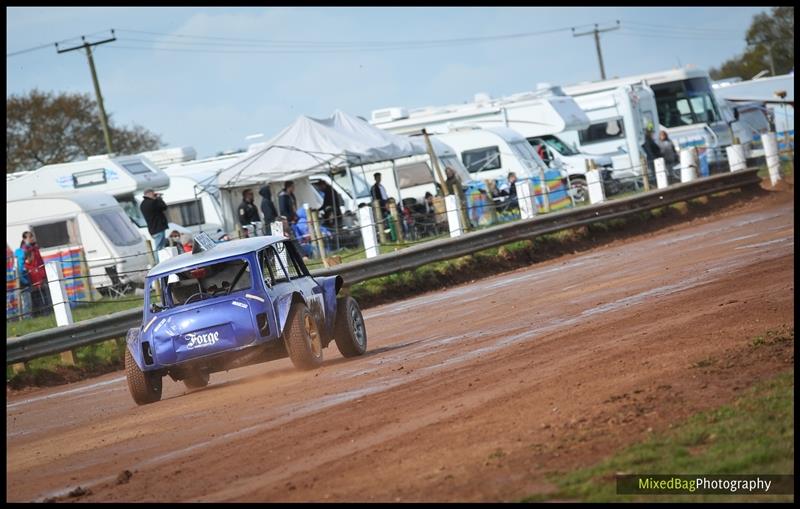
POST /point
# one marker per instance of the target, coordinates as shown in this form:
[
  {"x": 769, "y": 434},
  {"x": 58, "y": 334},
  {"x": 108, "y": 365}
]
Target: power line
[
  {"x": 352, "y": 43},
  {"x": 633, "y": 33},
  {"x": 682, "y": 28},
  {"x": 42, "y": 46}
]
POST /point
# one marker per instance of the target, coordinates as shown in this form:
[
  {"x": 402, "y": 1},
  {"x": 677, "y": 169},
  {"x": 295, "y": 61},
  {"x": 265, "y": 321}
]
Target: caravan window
[
  {"x": 602, "y": 131},
  {"x": 133, "y": 211},
  {"x": 343, "y": 179},
  {"x": 482, "y": 159},
  {"x": 60, "y": 233},
  {"x": 414, "y": 174},
  {"x": 116, "y": 227},
  {"x": 188, "y": 213},
  {"x": 136, "y": 168}
]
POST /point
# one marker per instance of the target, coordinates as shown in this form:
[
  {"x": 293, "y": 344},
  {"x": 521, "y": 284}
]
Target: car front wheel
[{"x": 349, "y": 330}]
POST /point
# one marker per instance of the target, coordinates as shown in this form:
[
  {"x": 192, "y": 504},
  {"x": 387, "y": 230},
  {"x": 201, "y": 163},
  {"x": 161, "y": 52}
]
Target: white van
[{"x": 93, "y": 221}]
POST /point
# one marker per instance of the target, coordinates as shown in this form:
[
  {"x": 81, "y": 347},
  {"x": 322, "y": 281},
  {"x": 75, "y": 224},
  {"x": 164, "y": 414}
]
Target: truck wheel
[
  {"x": 144, "y": 387},
  {"x": 579, "y": 189},
  {"x": 302, "y": 338},
  {"x": 196, "y": 380},
  {"x": 349, "y": 330}
]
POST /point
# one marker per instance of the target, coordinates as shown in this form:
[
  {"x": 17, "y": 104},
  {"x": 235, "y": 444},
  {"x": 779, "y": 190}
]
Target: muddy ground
[{"x": 474, "y": 393}]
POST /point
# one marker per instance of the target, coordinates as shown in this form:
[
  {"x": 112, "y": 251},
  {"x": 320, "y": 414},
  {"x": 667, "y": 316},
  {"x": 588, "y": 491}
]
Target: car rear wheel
[
  {"x": 302, "y": 338},
  {"x": 145, "y": 387},
  {"x": 196, "y": 380},
  {"x": 349, "y": 330}
]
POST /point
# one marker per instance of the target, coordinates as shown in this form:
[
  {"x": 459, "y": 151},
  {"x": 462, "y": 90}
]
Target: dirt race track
[{"x": 469, "y": 394}]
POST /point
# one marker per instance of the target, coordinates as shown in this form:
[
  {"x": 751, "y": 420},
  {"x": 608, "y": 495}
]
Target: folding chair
[{"x": 118, "y": 288}]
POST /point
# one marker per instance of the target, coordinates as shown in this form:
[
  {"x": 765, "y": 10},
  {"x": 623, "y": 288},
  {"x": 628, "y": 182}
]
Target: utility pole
[
  {"x": 597, "y": 33},
  {"x": 103, "y": 118}
]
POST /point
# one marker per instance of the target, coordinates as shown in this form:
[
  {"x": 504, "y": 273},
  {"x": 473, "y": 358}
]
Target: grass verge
[
  {"x": 81, "y": 312},
  {"x": 753, "y": 435}
]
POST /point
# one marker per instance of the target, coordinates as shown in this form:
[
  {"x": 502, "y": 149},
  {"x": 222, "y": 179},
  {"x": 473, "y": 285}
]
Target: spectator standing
[
  {"x": 34, "y": 264},
  {"x": 651, "y": 152},
  {"x": 667, "y": 149},
  {"x": 287, "y": 203},
  {"x": 513, "y": 201},
  {"x": 153, "y": 208},
  {"x": 24, "y": 280},
  {"x": 248, "y": 212},
  {"x": 331, "y": 205},
  {"x": 379, "y": 193},
  {"x": 267, "y": 208}
]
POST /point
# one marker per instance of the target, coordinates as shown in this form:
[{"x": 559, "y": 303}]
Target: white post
[
  {"x": 277, "y": 229},
  {"x": 527, "y": 205},
  {"x": 688, "y": 164},
  {"x": 770, "y": 142},
  {"x": 367, "y": 224},
  {"x": 595, "y": 185},
  {"x": 58, "y": 293},
  {"x": 661, "y": 173},
  {"x": 453, "y": 215},
  {"x": 736, "y": 157}
]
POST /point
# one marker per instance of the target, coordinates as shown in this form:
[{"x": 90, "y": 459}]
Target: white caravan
[
  {"x": 121, "y": 177},
  {"x": 687, "y": 110},
  {"x": 539, "y": 116},
  {"x": 619, "y": 117},
  {"x": 776, "y": 93},
  {"x": 192, "y": 198},
  {"x": 93, "y": 221}
]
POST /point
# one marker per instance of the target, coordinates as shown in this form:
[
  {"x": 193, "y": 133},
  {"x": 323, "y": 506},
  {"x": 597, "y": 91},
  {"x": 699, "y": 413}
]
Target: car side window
[
  {"x": 276, "y": 262},
  {"x": 266, "y": 259},
  {"x": 295, "y": 264}
]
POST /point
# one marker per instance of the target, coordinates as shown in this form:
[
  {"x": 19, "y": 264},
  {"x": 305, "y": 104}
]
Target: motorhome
[
  {"x": 687, "y": 110},
  {"x": 619, "y": 117},
  {"x": 490, "y": 154},
  {"x": 541, "y": 117},
  {"x": 121, "y": 177},
  {"x": 92, "y": 221}
]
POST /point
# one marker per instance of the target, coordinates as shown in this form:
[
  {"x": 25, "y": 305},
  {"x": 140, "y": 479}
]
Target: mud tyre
[
  {"x": 302, "y": 338},
  {"x": 349, "y": 330},
  {"x": 144, "y": 387},
  {"x": 196, "y": 380}
]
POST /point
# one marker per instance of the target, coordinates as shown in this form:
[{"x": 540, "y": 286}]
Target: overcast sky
[{"x": 209, "y": 77}]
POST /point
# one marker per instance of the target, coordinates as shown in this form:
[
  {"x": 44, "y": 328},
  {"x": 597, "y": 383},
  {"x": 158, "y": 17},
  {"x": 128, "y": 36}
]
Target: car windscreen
[{"x": 206, "y": 282}]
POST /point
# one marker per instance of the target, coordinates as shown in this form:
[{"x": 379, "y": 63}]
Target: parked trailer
[
  {"x": 120, "y": 177},
  {"x": 541, "y": 117},
  {"x": 91, "y": 220}
]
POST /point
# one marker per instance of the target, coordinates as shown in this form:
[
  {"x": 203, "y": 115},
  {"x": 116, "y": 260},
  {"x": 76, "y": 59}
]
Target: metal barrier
[{"x": 53, "y": 341}]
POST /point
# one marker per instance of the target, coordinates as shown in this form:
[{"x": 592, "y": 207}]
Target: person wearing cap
[{"x": 153, "y": 208}]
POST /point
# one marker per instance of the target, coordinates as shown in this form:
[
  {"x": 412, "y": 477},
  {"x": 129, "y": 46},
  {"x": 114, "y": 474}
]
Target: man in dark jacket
[
  {"x": 248, "y": 213},
  {"x": 652, "y": 152},
  {"x": 267, "y": 208},
  {"x": 379, "y": 193},
  {"x": 153, "y": 208},
  {"x": 331, "y": 205},
  {"x": 287, "y": 203}
]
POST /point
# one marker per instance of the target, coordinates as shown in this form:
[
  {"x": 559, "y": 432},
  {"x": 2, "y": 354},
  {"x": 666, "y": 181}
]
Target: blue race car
[{"x": 233, "y": 304}]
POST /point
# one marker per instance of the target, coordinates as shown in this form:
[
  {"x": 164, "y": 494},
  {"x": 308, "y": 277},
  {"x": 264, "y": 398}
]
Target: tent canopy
[{"x": 310, "y": 145}]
